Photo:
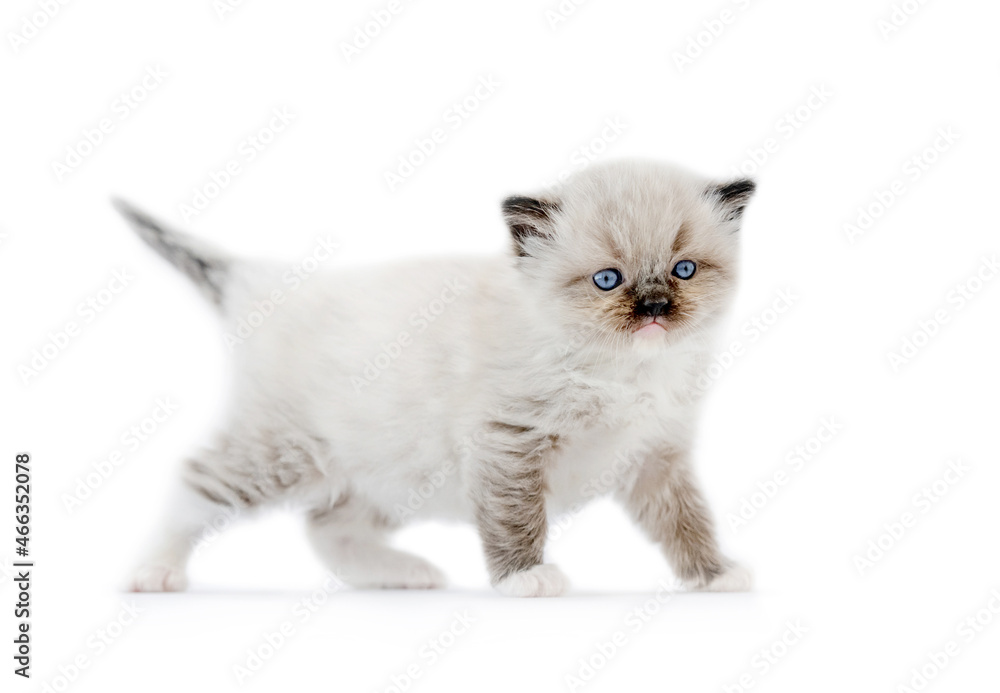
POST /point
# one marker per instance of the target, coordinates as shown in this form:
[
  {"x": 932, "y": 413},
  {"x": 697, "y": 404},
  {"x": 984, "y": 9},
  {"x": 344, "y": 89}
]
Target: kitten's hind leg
[
  {"x": 192, "y": 519},
  {"x": 219, "y": 484},
  {"x": 247, "y": 468},
  {"x": 350, "y": 538}
]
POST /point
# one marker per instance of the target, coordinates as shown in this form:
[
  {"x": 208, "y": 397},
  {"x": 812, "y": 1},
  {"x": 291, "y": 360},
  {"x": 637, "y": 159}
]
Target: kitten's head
[{"x": 631, "y": 253}]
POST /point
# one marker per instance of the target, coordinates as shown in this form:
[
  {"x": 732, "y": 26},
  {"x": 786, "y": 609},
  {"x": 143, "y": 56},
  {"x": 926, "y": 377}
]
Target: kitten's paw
[
  {"x": 395, "y": 570},
  {"x": 417, "y": 574},
  {"x": 735, "y": 578},
  {"x": 543, "y": 580},
  {"x": 159, "y": 578}
]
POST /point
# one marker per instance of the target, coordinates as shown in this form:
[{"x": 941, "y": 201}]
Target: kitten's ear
[
  {"x": 732, "y": 198},
  {"x": 529, "y": 218}
]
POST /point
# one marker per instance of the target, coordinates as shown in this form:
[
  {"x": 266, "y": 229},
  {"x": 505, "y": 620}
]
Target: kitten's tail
[{"x": 208, "y": 267}]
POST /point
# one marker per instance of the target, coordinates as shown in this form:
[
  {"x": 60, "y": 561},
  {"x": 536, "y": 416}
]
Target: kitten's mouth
[{"x": 650, "y": 327}]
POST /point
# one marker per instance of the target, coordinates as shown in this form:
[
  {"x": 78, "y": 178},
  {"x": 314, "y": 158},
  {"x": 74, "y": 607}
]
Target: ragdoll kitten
[{"x": 502, "y": 391}]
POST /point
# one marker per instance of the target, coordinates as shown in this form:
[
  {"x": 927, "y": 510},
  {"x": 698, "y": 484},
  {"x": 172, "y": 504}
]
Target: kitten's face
[{"x": 632, "y": 254}]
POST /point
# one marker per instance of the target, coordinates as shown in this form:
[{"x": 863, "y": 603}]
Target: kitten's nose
[{"x": 652, "y": 308}]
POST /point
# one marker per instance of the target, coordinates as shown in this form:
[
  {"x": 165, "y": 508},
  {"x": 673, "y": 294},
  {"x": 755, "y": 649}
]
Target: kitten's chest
[
  {"x": 600, "y": 455},
  {"x": 656, "y": 397},
  {"x": 644, "y": 406}
]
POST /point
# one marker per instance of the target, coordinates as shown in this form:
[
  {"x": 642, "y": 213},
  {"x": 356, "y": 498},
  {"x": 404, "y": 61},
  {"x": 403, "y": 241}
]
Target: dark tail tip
[
  {"x": 136, "y": 216},
  {"x": 206, "y": 266}
]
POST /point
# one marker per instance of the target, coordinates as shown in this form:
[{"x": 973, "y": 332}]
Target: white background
[{"x": 856, "y": 300}]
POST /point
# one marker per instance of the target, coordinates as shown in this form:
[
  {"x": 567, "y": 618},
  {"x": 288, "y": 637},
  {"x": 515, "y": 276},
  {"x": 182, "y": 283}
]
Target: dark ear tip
[
  {"x": 528, "y": 216},
  {"x": 514, "y": 201},
  {"x": 732, "y": 197},
  {"x": 529, "y": 206},
  {"x": 740, "y": 188}
]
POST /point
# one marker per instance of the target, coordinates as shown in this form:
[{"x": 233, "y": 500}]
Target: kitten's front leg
[
  {"x": 509, "y": 495},
  {"x": 666, "y": 502}
]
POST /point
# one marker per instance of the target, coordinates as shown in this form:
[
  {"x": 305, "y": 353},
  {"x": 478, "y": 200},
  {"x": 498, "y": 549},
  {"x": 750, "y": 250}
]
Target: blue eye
[
  {"x": 684, "y": 269},
  {"x": 607, "y": 279}
]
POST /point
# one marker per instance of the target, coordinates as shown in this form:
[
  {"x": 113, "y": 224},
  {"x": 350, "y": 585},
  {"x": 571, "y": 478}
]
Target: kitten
[{"x": 501, "y": 390}]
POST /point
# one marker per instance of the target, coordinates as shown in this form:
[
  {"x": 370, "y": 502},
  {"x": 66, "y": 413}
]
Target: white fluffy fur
[
  {"x": 543, "y": 580},
  {"x": 736, "y": 578},
  {"x": 377, "y": 442}
]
